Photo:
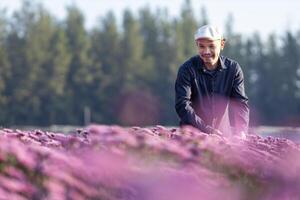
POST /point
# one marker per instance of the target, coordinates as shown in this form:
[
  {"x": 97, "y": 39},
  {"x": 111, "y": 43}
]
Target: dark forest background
[{"x": 58, "y": 72}]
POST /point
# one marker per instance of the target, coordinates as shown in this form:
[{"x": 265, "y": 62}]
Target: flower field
[{"x": 157, "y": 163}]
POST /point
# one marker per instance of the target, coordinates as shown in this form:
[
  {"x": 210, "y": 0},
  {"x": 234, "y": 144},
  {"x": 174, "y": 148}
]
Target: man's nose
[{"x": 206, "y": 50}]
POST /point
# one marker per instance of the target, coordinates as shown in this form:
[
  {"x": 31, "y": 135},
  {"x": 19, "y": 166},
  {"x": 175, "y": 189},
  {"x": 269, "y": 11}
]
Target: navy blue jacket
[{"x": 201, "y": 97}]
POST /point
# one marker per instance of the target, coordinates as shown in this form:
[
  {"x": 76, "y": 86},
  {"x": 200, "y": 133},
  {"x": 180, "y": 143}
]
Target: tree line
[{"x": 56, "y": 71}]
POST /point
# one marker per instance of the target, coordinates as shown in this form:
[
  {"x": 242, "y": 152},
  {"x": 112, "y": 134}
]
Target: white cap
[{"x": 208, "y": 32}]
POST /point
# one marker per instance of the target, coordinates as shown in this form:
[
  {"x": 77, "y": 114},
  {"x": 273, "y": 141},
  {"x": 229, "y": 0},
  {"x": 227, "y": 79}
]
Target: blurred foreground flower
[{"x": 111, "y": 162}]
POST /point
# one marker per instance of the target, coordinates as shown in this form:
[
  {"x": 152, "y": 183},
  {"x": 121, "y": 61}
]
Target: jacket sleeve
[
  {"x": 183, "y": 104},
  {"x": 238, "y": 106}
]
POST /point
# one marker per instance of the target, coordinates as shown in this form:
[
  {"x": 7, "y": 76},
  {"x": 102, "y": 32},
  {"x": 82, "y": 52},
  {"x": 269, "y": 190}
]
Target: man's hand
[
  {"x": 211, "y": 130},
  {"x": 241, "y": 135},
  {"x": 217, "y": 132},
  {"x": 238, "y": 133}
]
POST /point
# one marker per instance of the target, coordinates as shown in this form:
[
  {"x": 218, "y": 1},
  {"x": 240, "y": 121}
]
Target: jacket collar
[
  {"x": 220, "y": 67},
  {"x": 221, "y": 59}
]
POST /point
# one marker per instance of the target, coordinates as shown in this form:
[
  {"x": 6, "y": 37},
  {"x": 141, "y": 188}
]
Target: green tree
[
  {"x": 26, "y": 66},
  {"x": 5, "y": 68},
  {"x": 37, "y": 54},
  {"x": 149, "y": 31},
  {"x": 56, "y": 70},
  {"x": 271, "y": 78},
  {"x": 158, "y": 37},
  {"x": 289, "y": 69},
  {"x": 105, "y": 55},
  {"x": 249, "y": 64},
  {"x": 260, "y": 80},
  {"x": 80, "y": 75},
  {"x": 234, "y": 43},
  {"x": 204, "y": 19},
  {"x": 136, "y": 68},
  {"x": 185, "y": 29}
]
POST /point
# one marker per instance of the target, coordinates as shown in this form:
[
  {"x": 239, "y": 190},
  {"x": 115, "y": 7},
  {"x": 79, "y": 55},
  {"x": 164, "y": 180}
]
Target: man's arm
[
  {"x": 183, "y": 102},
  {"x": 238, "y": 107}
]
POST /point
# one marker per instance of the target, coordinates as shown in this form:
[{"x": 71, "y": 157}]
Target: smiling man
[{"x": 208, "y": 84}]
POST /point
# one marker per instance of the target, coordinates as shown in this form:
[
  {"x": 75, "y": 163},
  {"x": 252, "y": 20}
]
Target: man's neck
[{"x": 209, "y": 66}]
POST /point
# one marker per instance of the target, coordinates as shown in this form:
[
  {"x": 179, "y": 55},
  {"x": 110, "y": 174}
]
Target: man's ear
[{"x": 223, "y": 43}]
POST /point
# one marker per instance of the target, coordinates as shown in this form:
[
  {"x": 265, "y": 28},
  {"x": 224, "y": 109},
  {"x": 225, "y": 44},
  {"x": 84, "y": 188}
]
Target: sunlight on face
[{"x": 209, "y": 51}]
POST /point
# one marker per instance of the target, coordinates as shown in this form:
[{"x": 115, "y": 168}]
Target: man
[{"x": 208, "y": 83}]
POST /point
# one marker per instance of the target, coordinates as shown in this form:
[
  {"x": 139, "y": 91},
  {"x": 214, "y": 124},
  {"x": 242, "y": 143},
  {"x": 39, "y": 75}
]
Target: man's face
[{"x": 209, "y": 51}]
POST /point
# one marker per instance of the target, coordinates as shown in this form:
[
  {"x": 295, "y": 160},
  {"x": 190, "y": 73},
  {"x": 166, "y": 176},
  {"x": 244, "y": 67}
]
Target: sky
[{"x": 263, "y": 16}]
